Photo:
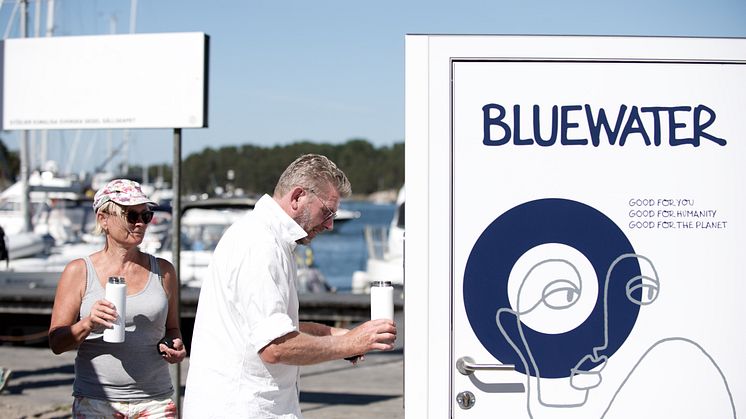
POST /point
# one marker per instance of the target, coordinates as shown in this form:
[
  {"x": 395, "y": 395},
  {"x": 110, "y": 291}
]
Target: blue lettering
[
  {"x": 566, "y": 125},
  {"x": 673, "y": 125},
  {"x": 699, "y": 128},
  {"x": 655, "y": 110},
  {"x": 634, "y": 125},
  {"x": 537, "y": 128},
  {"x": 517, "y": 140},
  {"x": 489, "y": 121},
  {"x": 501, "y": 130},
  {"x": 595, "y": 126}
]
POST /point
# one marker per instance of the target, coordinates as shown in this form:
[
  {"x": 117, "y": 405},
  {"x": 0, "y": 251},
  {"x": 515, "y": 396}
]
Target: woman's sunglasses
[{"x": 133, "y": 216}]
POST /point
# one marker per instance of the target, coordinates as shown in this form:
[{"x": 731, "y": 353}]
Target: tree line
[
  {"x": 10, "y": 165},
  {"x": 255, "y": 169}
]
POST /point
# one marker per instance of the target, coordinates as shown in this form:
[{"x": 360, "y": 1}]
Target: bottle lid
[
  {"x": 380, "y": 284},
  {"x": 116, "y": 280}
]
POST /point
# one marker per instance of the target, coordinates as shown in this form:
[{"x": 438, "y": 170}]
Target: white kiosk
[{"x": 576, "y": 227}]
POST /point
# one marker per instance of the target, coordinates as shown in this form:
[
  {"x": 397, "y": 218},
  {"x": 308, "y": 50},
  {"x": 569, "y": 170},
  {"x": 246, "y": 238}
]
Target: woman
[{"x": 126, "y": 379}]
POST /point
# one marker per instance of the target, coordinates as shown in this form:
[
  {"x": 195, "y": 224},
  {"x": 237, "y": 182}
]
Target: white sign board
[
  {"x": 110, "y": 81},
  {"x": 581, "y": 211}
]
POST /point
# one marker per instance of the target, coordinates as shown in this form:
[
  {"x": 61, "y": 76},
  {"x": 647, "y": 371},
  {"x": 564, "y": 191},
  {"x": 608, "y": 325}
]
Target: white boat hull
[{"x": 21, "y": 245}]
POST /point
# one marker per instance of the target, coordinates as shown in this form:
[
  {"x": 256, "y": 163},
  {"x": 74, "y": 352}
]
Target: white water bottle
[
  {"x": 116, "y": 293},
  {"x": 381, "y": 300}
]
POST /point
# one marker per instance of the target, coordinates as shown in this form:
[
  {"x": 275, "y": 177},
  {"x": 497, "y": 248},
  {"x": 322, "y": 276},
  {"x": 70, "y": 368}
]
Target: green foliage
[
  {"x": 10, "y": 165},
  {"x": 256, "y": 169}
]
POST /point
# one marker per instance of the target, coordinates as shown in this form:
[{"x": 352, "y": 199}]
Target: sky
[{"x": 332, "y": 70}]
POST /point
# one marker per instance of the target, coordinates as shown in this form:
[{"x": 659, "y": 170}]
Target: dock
[
  {"x": 41, "y": 384},
  {"x": 25, "y": 310}
]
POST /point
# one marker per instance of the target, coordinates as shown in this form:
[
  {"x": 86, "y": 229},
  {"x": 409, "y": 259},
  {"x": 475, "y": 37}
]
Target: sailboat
[{"x": 385, "y": 253}]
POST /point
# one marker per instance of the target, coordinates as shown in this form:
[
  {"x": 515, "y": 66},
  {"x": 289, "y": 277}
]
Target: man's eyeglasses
[
  {"x": 329, "y": 212},
  {"x": 133, "y": 216}
]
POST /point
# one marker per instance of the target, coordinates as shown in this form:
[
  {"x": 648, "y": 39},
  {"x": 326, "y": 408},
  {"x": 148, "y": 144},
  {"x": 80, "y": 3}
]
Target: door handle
[{"x": 466, "y": 366}]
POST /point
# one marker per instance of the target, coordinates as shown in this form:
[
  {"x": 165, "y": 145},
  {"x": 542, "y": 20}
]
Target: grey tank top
[{"x": 132, "y": 370}]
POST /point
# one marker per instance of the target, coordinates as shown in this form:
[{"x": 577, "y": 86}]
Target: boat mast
[
  {"x": 50, "y": 17},
  {"x": 24, "y": 157},
  {"x": 43, "y": 134}
]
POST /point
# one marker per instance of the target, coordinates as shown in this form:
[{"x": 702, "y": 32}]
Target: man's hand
[{"x": 373, "y": 335}]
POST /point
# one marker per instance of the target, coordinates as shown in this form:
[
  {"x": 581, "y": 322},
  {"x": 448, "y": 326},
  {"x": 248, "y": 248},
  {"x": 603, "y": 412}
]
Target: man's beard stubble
[{"x": 304, "y": 220}]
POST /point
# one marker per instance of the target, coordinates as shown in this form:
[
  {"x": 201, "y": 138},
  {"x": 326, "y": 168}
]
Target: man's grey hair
[{"x": 315, "y": 172}]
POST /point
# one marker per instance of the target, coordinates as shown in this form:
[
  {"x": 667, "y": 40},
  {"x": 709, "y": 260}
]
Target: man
[
  {"x": 247, "y": 342},
  {"x": 3, "y": 248}
]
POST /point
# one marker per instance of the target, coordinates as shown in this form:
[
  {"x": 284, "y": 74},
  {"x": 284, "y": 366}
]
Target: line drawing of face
[
  {"x": 507, "y": 249},
  {"x": 554, "y": 287},
  {"x": 560, "y": 289},
  {"x": 580, "y": 379},
  {"x": 574, "y": 356},
  {"x": 586, "y": 373}
]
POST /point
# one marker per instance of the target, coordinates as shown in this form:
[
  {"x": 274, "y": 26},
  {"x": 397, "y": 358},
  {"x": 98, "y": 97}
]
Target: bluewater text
[{"x": 582, "y": 125}]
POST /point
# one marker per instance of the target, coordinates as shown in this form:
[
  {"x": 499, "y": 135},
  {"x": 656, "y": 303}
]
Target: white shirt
[{"x": 247, "y": 300}]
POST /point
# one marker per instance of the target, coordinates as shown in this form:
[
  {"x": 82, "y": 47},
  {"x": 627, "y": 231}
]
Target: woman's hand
[
  {"x": 171, "y": 284},
  {"x": 103, "y": 314},
  {"x": 67, "y": 329},
  {"x": 175, "y": 355}
]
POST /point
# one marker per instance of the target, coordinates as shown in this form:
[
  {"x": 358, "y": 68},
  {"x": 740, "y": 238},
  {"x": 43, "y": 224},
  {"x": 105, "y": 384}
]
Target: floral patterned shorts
[{"x": 84, "y": 407}]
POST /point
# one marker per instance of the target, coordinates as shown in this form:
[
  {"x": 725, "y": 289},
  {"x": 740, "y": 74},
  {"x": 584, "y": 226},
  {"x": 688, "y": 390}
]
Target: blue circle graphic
[{"x": 511, "y": 235}]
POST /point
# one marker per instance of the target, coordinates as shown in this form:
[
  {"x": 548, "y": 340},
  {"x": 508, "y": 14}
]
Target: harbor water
[{"x": 338, "y": 254}]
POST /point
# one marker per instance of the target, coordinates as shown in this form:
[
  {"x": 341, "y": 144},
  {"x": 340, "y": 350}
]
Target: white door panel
[{"x": 607, "y": 271}]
